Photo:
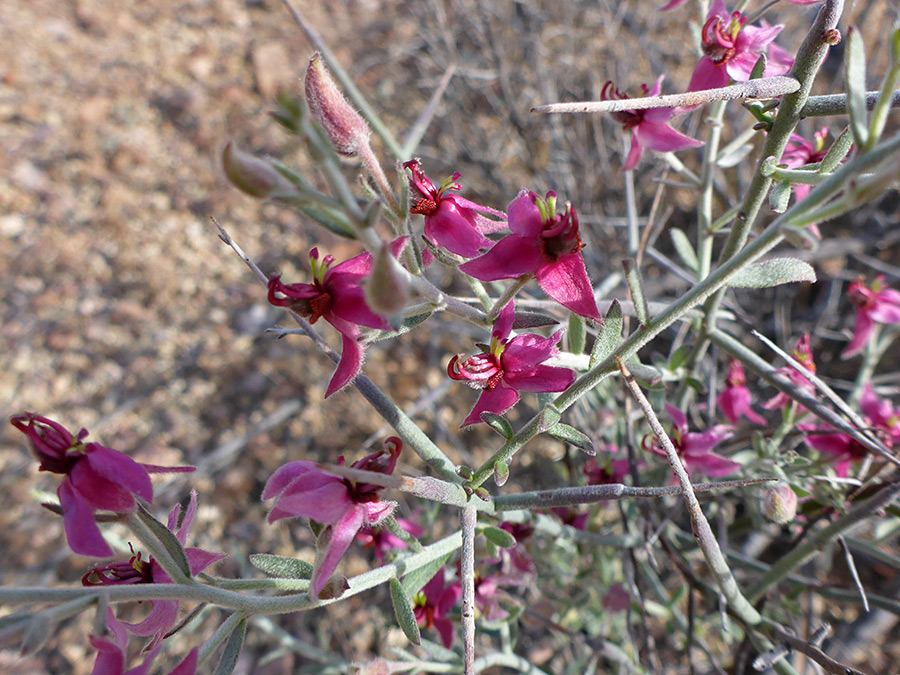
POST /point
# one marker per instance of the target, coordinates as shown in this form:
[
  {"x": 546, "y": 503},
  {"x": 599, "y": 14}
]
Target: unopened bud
[
  {"x": 387, "y": 287},
  {"x": 832, "y": 37},
  {"x": 780, "y": 504},
  {"x": 252, "y": 175},
  {"x": 346, "y": 129}
]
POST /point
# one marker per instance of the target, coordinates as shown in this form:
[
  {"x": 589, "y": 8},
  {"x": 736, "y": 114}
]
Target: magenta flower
[
  {"x": 303, "y": 489},
  {"x": 731, "y": 49},
  {"x": 571, "y": 517},
  {"x": 881, "y": 416},
  {"x": 695, "y": 448},
  {"x": 336, "y": 295},
  {"x": 874, "y": 304},
  {"x": 611, "y": 471},
  {"x": 511, "y": 365},
  {"x": 487, "y": 599},
  {"x": 545, "y": 244},
  {"x": 452, "y": 221},
  {"x": 800, "y": 152},
  {"x": 843, "y": 448},
  {"x": 515, "y": 560},
  {"x": 381, "y": 540},
  {"x": 433, "y": 602},
  {"x": 617, "y": 598},
  {"x": 164, "y": 614},
  {"x": 96, "y": 478},
  {"x": 649, "y": 128},
  {"x": 734, "y": 402},
  {"x": 112, "y": 653},
  {"x": 803, "y": 355}
]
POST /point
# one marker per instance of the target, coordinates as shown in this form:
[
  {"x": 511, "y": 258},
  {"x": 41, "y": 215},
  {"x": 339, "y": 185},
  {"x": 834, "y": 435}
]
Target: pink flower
[
  {"x": 649, "y": 128},
  {"x": 336, "y": 295},
  {"x": 516, "y": 560},
  {"x": 803, "y": 355},
  {"x": 511, "y": 366},
  {"x": 695, "y": 448},
  {"x": 800, "y": 152},
  {"x": 433, "y": 602},
  {"x": 571, "y": 517},
  {"x": 381, "y": 540},
  {"x": 164, "y": 614},
  {"x": 486, "y": 596},
  {"x": 731, "y": 49},
  {"x": 612, "y": 470},
  {"x": 881, "y": 415},
  {"x": 452, "y": 221},
  {"x": 734, "y": 402},
  {"x": 96, "y": 478},
  {"x": 545, "y": 244},
  {"x": 874, "y": 304},
  {"x": 303, "y": 489},
  {"x": 112, "y": 653}
]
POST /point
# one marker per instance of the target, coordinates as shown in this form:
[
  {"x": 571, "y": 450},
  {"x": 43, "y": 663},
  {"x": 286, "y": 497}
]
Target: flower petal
[
  {"x": 663, "y": 138},
  {"x": 158, "y": 622},
  {"x": 352, "y": 353},
  {"x": 338, "y": 539},
  {"x": 118, "y": 468},
  {"x": 510, "y": 257},
  {"x": 862, "y": 329},
  {"x": 524, "y": 217},
  {"x": 451, "y": 229},
  {"x": 326, "y": 504},
  {"x": 566, "y": 281},
  {"x": 711, "y": 464},
  {"x": 498, "y": 400},
  {"x": 82, "y": 531},
  {"x": 504, "y": 323},
  {"x": 541, "y": 379},
  {"x": 526, "y": 351},
  {"x": 707, "y": 75},
  {"x": 100, "y": 492}
]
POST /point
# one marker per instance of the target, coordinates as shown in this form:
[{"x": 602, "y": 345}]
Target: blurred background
[{"x": 123, "y": 312}]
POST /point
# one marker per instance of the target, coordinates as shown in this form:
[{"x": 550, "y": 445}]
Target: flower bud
[
  {"x": 252, "y": 175},
  {"x": 346, "y": 129},
  {"x": 780, "y": 504},
  {"x": 387, "y": 288}
]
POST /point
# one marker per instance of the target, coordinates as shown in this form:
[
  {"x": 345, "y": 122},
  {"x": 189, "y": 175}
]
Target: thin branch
[
  {"x": 836, "y": 104},
  {"x": 851, "y": 564},
  {"x": 467, "y": 575},
  {"x": 763, "y": 88},
  {"x": 702, "y": 531},
  {"x": 814, "y": 653}
]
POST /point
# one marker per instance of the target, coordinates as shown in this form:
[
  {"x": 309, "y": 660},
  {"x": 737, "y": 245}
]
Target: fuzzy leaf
[
  {"x": 685, "y": 250},
  {"x": 571, "y": 435},
  {"x": 532, "y": 320},
  {"x": 500, "y": 537},
  {"x": 233, "y": 649},
  {"x": 281, "y": 566},
  {"x": 633, "y": 279},
  {"x": 167, "y": 538},
  {"x": 609, "y": 336},
  {"x": 576, "y": 334},
  {"x": 403, "y": 610},
  {"x": 414, "y": 581},
  {"x": 549, "y": 417},
  {"x": 780, "y": 196},
  {"x": 773, "y": 272},
  {"x": 501, "y": 472},
  {"x": 855, "y": 83},
  {"x": 498, "y": 423}
]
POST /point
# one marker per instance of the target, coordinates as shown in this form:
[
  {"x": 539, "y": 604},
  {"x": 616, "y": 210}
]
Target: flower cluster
[
  {"x": 510, "y": 365},
  {"x": 303, "y": 489},
  {"x": 96, "y": 478}
]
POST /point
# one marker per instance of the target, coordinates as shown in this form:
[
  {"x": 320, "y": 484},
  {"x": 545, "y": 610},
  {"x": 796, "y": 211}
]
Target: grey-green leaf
[
  {"x": 233, "y": 649},
  {"x": 414, "y": 581},
  {"x": 571, "y": 435},
  {"x": 609, "y": 336},
  {"x": 576, "y": 333},
  {"x": 498, "y": 424},
  {"x": 403, "y": 610},
  {"x": 500, "y": 537},
  {"x": 501, "y": 472},
  {"x": 685, "y": 250},
  {"x": 550, "y": 416},
  {"x": 773, "y": 272},
  {"x": 281, "y": 566},
  {"x": 167, "y": 538},
  {"x": 780, "y": 196},
  {"x": 855, "y": 83}
]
